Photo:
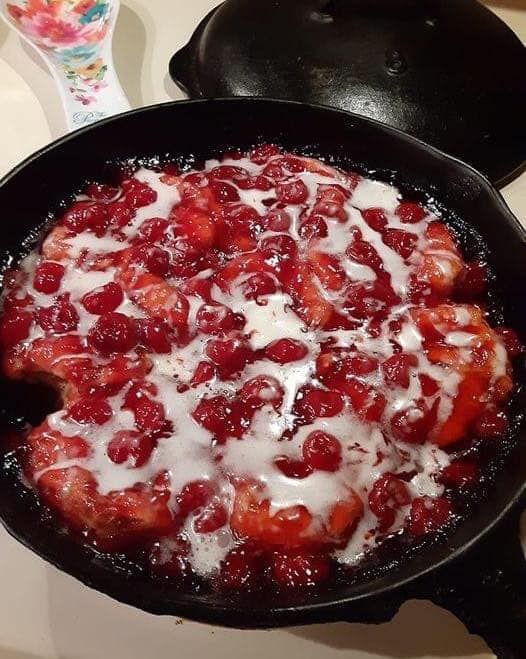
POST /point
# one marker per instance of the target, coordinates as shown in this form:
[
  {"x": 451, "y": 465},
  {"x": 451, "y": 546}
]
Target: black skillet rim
[{"x": 310, "y": 612}]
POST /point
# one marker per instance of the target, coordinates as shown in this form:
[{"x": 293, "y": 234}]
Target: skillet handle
[{"x": 487, "y": 590}]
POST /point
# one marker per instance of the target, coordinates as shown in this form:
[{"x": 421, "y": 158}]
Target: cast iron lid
[{"x": 450, "y": 73}]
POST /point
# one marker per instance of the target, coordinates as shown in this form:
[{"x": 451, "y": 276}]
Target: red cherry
[
  {"x": 261, "y": 390},
  {"x": 130, "y": 446},
  {"x": 47, "y": 277},
  {"x": 262, "y": 153},
  {"x": 193, "y": 496},
  {"x": 402, "y": 242},
  {"x": 155, "y": 259},
  {"x": 86, "y": 215},
  {"x": 169, "y": 557},
  {"x": 428, "y": 515},
  {"x": 224, "y": 192},
  {"x": 101, "y": 191},
  {"x": 119, "y": 214},
  {"x": 276, "y": 220},
  {"x": 212, "y": 413},
  {"x": 215, "y": 319},
  {"x": 14, "y": 327},
  {"x": 231, "y": 356},
  {"x": 396, "y": 369},
  {"x": 313, "y": 226},
  {"x": 138, "y": 194},
  {"x": 284, "y": 351},
  {"x": 258, "y": 285},
  {"x": 410, "y": 213},
  {"x": 294, "y": 164},
  {"x": 59, "y": 318},
  {"x": 292, "y": 468},
  {"x": 90, "y": 410},
  {"x": 103, "y": 299},
  {"x": 113, "y": 332},
  {"x": 213, "y": 517},
  {"x": 428, "y": 384},
  {"x": 281, "y": 246},
  {"x": 203, "y": 373},
  {"x": 292, "y": 192},
  {"x": 473, "y": 281},
  {"x": 149, "y": 416},
  {"x": 226, "y": 173},
  {"x": 459, "y": 474},
  {"x": 491, "y": 424},
  {"x": 511, "y": 341},
  {"x": 239, "y": 569},
  {"x": 154, "y": 230},
  {"x": 155, "y": 334},
  {"x": 299, "y": 570},
  {"x": 413, "y": 424},
  {"x": 322, "y": 451},
  {"x": 375, "y": 218},
  {"x": 388, "y": 495},
  {"x": 314, "y": 403}
]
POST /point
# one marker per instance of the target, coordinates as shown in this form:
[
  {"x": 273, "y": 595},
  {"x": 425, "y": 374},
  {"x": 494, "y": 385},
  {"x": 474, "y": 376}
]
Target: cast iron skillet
[{"x": 478, "y": 572}]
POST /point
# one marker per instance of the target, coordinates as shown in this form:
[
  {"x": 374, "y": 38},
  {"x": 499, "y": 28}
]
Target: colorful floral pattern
[{"x": 70, "y": 31}]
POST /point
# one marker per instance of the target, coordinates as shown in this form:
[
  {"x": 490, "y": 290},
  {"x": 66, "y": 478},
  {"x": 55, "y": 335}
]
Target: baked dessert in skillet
[{"x": 263, "y": 367}]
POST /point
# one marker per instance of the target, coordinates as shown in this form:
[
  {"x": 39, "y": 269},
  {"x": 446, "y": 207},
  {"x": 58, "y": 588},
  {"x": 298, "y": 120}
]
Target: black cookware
[
  {"x": 478, "y": 572},
  {"x": 450, "y": 73}
]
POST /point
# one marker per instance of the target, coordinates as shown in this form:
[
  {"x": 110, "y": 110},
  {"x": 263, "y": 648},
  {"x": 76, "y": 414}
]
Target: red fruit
[
  {"x": 103, "y": 299},
  {"x": 47, "y": 277},
  {"x": 101, "y": 191},
  {"x": 276, "y": 220},
  {"x": 257, "y": 285},
  {"x": 90, "y": 410},
  {"x": 231, "y": 356},
  {"x": 293, "y": 164},
  {"x": 491, "y": 424},
  {"x": 156, "y": 335},
  {"x": 226, "y": 173},
  {"x": 261, "y": 390},
  {"x": 410, "y": 213},
  {"x": 428, "y": 515},
  {"x": 239, "y": 569},
  {"x": 322, "y": 451},
  {"x": 511, "y": 341},
  {"x": 262, "y": 153},
  {"x": 212, "y": 414},
  {"x": 370, "y": 299},
  {"x": 224, "y": 192},
  {"x": 113, "y": 332},
  {"x": 130, "y": 446},
  {"x": 366, "y": 401},
  {"x": 402, "y": 242},
  {"x": 119, "y": 214},
  {"x": 203, "y": 373},
  {"x": 459, "y": 474},
  {"x": 215, "y": 319},
  {"x": 292, "y": 192},
  {"x": 86, "y": 215},
  {"x": 388, "y": 495},
  {"x": 414, "y": 423},
  {"x": 14, "y": 327},
  {"x": 375, "y": 218},
  {"x": 284, "y": 351},
  {"x": 299, "y": 570},
  {"x": 313, "y": 226},
  {"x": 473, "y": 281},
  {"x": 138, "y": 194},
  {"x": 428, "y": 384},
  {"x": 154, "y": 230},
  {"x": 59, "y": 318},
  {"x": 292, "y": 468},
  {"x": 155, "y": 259},
  {"x": 314, "y": 403},
  {"x": 281, "y": 246},
  {"x": 194, "y": 495},
  {"x": 213, "y": 517},
  {"x": 396, "y": 369},
  {"x": 169, "y": 557}
]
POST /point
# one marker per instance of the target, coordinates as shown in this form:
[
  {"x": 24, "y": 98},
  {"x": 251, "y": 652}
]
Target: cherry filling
[{"x": 264, "y": 365}]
